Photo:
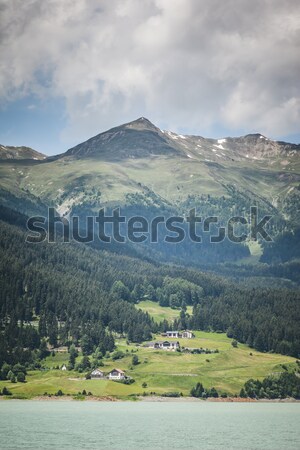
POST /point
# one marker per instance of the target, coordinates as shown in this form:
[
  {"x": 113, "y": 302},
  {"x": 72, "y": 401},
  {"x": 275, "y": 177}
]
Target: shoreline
[
  {"x": 218, "y": 400},
  {"x": 154, "y": 399}
]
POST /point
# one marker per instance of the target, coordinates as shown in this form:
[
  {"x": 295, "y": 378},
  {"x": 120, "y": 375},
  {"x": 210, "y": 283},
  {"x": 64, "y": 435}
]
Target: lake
[{"x": 148, "y": 425}]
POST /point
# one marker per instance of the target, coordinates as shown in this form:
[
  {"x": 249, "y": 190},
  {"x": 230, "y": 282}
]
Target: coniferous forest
[{"x": 68, "y": 294}]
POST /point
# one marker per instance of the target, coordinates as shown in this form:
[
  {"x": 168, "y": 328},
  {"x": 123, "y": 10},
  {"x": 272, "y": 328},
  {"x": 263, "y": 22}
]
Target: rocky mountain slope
[
  {"x": 141, "y": 138},
  {"x": 137, "y": 139},
  {"x": 9, "y": 152},
  {"x": 138, "y": 160}
]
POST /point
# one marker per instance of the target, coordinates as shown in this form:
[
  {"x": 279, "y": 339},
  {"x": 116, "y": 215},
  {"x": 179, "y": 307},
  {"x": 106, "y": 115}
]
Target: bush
[
  {"x": 212, "y": 393},
  {"x": 135, "y": 360},
  {"x": 10, "y": 375},
  {"x": 128, "y": 381},
  {"x": 117, "y": 355},
  {"x": 5, "y": 391},
  {"x": 234, "y": 343},
  {"x": 243, "y": 393},
  {"x": 172, "y": 394},
  {"x": 21, "y": 377},
  {"x": 125, "y": 381},
  {"x": 19, "y": 368},
  {"x": 144, "y": 385},
  {"x": 4, "y": 371},
  {"x": 59, "y": 393},
  {"x": 198, "y": 390},
  {"x": 286, "y": 385}
]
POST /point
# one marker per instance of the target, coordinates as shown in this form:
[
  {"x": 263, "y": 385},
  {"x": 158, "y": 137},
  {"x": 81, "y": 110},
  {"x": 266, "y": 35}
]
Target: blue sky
[
  {"x": 39, "y": 124},
  {"x": 34, "y": 123},
  {"x": 70, "y": 70}
]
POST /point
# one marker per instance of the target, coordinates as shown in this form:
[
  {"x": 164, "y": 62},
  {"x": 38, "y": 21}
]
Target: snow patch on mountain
[
  {"x": 220, "y": 146},
  {"x": 172, "y": 135}
]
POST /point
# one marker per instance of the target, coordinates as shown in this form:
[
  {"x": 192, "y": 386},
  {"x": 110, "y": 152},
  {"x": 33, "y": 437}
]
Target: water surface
[{"x": 144, "y": 425}]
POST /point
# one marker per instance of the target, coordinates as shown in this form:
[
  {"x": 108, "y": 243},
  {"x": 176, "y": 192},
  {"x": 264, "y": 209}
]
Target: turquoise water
[{"x": 140, "y": 425}]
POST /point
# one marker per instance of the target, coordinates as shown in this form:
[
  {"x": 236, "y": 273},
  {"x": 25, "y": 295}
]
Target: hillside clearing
[
  {"x": 160, "y": 313},
  {"x": 161, "y": 370}
]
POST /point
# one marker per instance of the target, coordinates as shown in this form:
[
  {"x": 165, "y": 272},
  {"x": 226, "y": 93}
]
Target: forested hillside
[{"x": 70, "y": 293}]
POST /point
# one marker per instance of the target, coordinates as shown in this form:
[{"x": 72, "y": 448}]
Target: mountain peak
[
  {"x": 255, "y": 136},
  {"x": 137, "y": 139},
  {"x": 142, "y": 120},
  {"x": 142, "y": 123}
]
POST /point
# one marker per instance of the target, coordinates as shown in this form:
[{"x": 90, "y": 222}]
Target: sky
[{"x": 216, "y": 68}]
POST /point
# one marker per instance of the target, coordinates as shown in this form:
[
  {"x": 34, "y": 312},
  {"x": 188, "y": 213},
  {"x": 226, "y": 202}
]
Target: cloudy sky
[{"x": 73, "y": 68}]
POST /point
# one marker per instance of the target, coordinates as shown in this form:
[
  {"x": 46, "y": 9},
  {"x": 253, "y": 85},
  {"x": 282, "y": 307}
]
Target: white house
[
  {"x": 187, "y": 334},
  {"x": 116, "y": 374},
  {"x": 164, "y": 345},
  {"x": 172, "y": 334},
  {"x": 96, "y": 374}
]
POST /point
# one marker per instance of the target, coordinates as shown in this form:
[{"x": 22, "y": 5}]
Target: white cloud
[{"x": 182, "y": 63}]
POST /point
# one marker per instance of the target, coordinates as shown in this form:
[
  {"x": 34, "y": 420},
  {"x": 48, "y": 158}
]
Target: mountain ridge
[
  {"x": 20, "y": 152},
  {"x": 138, "y": 161},
  {"x": 141, "y": 138}
]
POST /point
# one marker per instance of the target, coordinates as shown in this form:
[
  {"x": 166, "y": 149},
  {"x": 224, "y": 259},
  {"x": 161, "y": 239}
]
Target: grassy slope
[
  {"x": 160, "y": 313},
  {"x": 173, "y": 178},
  {"x": 162, "y": 371},
  {"x": 169, "y": 177}
]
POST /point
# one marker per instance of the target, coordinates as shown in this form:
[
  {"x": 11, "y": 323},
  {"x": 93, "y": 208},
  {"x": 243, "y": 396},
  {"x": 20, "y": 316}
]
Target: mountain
[
  {"x": 138, "y": 157},
  {"x": 9, "y": 152},
  {"x": 151, "y": 171},
  {"x": 141, "y": 138},
  {"x": 137, "y": 139}
]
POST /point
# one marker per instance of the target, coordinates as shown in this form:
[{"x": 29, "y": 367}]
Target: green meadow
[
  {"x": 160, "y": 313},
  {"x": 162, "y": 371},
  {"x": 173, "y": 178}
]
